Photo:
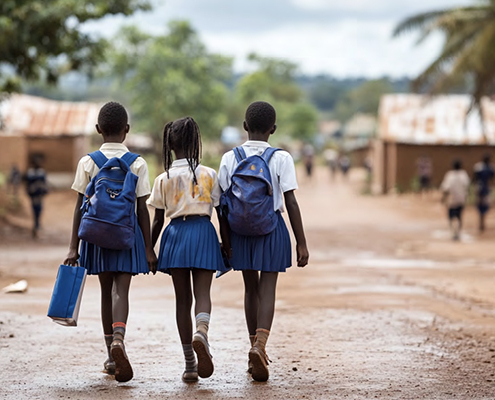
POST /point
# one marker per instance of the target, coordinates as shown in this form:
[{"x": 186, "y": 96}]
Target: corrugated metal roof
[
  {"x": 36, "y": 116},
  {"x": 418, "y": 119}
]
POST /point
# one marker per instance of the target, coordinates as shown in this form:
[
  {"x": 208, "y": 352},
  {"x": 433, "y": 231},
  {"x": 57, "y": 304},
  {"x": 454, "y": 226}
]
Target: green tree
[
  {"x": 171, "y": 76},
  {"x": 362, "y": 99},
  {"x": 325, "y": 93},
  {"x": 43, "y": 38},
  {"x": 468, "y": 52},
  {"x": 274, "y": 81}
]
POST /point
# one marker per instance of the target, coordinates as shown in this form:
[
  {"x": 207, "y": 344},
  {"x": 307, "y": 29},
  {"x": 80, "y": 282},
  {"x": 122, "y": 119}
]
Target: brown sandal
[
  {"x": 123, "y": 368},
  {"x": 259, "y": 362},
  {"x": 202, "y": 350},
  {"x": 109, "y": 367}
]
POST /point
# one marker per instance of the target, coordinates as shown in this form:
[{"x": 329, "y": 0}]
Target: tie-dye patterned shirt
[{"x": 179, "y": 196}]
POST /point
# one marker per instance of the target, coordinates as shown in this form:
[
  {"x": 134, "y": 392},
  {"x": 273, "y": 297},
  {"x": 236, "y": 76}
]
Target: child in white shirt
[
  {"x": 455, "y": 187},
  {"x": 188, "y": 191},
  {"x": 261, "y": 258}
]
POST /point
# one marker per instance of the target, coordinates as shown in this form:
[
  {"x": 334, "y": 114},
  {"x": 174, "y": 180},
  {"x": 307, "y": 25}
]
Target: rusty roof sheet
[
  {"x": 422, "y": 119},
  {"x": 37, "y": 116}
]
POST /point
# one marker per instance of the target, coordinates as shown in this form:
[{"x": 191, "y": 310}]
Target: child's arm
[
  {"x": 224, "y": 233},
  {"x": 157, "y": 226},
  {"x": 297, "y": 228},
  {"x": 144, "y": 223},
  {"x": 73, "y": 254}
]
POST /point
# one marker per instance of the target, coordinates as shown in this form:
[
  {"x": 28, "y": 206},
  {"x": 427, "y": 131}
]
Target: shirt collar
[
  {"x": 114, "y": 146},
  {"x": 181, "y": 162},
  {"x": 256, "y": 143}
]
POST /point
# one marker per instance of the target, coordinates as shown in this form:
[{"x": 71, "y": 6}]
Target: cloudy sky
[{"x": 343, "y": 38}]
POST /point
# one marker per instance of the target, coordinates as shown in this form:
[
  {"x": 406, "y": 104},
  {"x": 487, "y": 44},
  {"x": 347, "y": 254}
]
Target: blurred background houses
[
  {"x": 441, "y": 128},
  {"x": 56, "y": 131}
]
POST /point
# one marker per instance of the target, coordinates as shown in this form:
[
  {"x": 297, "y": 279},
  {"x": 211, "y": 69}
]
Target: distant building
[
  {"x": 357, "y": 135},
  {"x": 56, "y": 130},
  {"x": 439, "y": 127}
]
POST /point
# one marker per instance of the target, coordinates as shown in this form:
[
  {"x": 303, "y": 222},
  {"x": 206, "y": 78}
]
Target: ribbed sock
[
  {"x": 108, "y": 343},
  {"x": 118, "y": 330},
  {"x": 202, "y": 323},
  {"x": 252, "y": 339},
  {"x": 189, "y": 357},
  {"x": 261, "y": 338}
]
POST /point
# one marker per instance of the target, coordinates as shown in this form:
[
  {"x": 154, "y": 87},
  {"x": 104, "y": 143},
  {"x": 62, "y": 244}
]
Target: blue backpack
[
  {"x": 108, "y": 212},
  {"x": 248, "y": 202}
]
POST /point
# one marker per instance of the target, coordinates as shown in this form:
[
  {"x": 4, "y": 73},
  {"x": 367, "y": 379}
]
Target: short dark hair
[
  {"x": 486, "y": 158},
  {"x": 457, "y": 164},
  {"x": 112, "y": 118},
  {"x": 260, "y": 117}
]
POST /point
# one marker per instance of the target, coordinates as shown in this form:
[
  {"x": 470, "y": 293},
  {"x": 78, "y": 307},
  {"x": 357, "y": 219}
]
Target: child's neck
[
  {"x": 116, "y": 138},
  {"x": 260, "y": 137},
  {"x": 179, "y": 153}
]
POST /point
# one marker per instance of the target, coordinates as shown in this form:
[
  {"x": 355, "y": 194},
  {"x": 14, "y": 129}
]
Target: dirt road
[{"x": 389, "y": 308}]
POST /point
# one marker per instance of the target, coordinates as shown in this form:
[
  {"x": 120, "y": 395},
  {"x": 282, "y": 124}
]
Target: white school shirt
[
  {"x": 87, "y": 169},
  {"x": 282, "y": 170},
  {"x": 177, "y": 195},
  {"x": 456, "y": 183}
]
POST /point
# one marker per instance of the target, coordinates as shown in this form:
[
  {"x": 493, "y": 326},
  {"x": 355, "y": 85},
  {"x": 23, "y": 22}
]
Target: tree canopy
[
  {"x": 171, "y": 76},
  {"x": 43, "y": 38},
  {"x": 467, "y": 54},
  {"x": 274, "y": 81},
  {"x": 363, "y": 99}
]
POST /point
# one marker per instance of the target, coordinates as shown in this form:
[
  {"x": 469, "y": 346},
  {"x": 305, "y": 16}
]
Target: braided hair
[{"x": 182, "y": 134}]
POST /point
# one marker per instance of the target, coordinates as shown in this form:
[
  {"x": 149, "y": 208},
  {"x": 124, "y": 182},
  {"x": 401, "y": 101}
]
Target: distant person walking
[
  {"x": 455, "y": 187},
  {"x": 308, "y": 155},
  {"x": 37, "y": 188},
  {"x": 345, "y": 165},
  {"x": 483, "y": 177},
  {"x": 331, "y": 159},
  {"x": 424, "y": 168},
  {"x": 15, "y": 179}
]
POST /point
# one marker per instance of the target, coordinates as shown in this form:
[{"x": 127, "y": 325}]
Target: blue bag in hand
[
  {"x": 67, "y": 294},
  {"x": 109, "y": 210}
]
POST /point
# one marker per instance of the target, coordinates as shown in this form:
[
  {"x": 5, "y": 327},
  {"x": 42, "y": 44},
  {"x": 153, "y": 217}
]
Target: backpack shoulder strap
[
  {"x": 268, "y": 153},
  {"x": 99, "y": 158},
  {"x": 240, "y": 154},
  {"x": 129, "y": 158}
]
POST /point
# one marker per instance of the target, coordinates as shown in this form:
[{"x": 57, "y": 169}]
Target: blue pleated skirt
[
  {"x": 133, "y": 261},
  {"x": 190, "y": 243},
  {"x": 268, "y": 253}
]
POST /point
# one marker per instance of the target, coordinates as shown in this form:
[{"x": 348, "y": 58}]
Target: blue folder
[{"x": 67, "y": 294}]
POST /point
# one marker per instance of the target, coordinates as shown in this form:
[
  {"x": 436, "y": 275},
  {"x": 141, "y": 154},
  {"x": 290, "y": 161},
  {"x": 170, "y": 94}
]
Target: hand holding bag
[{"x": 67, "y": 294}]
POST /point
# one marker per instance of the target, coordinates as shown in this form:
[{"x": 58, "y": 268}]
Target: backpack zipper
[{"x": 109, "y": 179}]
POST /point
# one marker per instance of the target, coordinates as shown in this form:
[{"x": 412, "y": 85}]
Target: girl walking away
[
  {"x": 114, "y": 267},
  {"x": 261, "y": 256},
  {"x": 187, "y": 192}
]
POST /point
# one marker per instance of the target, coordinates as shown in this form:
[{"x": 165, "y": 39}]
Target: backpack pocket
[{"x": 106, "y": 234}]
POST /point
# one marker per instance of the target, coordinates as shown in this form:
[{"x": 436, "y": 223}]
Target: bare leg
[
  {"x": 202, "y": 285},
  {"x": 106, "y": 285},
  {"x": 122, "y": 282},
  {"x": 267, "y": 292},
  {"x": 181, "y": 278},
  {"x": 251, "y": 299}
]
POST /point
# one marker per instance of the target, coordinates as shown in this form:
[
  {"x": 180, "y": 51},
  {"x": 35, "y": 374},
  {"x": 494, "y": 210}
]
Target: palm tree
[{"x": 468, "y": 52}]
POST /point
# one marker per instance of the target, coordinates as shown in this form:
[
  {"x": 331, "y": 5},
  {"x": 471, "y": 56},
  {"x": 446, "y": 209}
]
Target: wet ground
[{"x": 389, "y": 308}]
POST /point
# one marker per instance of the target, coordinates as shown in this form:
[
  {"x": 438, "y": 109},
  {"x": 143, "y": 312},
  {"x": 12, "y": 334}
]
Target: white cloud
[
  {"x": 343, "y": 38},
  {"x": 347, "y": 48}
]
